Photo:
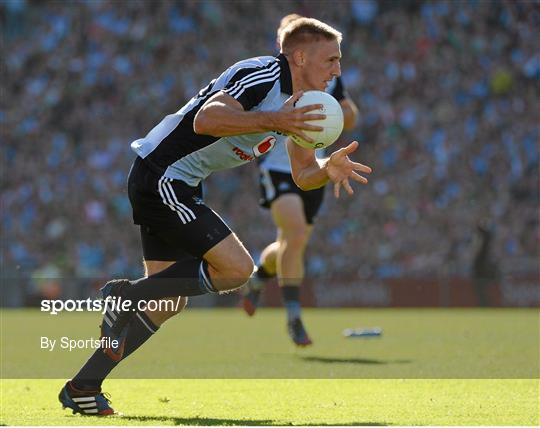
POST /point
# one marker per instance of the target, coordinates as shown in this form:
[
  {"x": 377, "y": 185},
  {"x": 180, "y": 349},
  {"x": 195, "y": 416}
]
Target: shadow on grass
[
  {"x": 333, "y": 360},
  {"x": 167, "y": 420}
]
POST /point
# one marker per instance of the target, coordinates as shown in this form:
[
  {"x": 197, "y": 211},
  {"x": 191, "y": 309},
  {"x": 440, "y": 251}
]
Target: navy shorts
[
  {"x": 175, "y": 222},
  {"x": 274, "y": 184}
]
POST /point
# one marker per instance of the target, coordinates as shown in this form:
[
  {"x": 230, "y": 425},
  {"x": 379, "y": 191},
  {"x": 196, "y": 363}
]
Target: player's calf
[
  {"x": 167, "y": 308},
  {"x": 114, "y": 325}
]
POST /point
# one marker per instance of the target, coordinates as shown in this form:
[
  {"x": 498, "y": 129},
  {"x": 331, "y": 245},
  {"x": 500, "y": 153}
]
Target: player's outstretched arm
[
  {"x": 311, "y": 173},
  {"x": 350, "y": 113},
  {"x": 222, "y": 116}
]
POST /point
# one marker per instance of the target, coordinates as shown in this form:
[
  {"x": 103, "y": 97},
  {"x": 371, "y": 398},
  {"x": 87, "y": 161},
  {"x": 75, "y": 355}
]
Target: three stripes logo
[
  {"x": 87, "y": 405},
  {"x": 169, "y": 198},
  {"x": 110, "y": 317},
  {"x": 253, "y": 79}
]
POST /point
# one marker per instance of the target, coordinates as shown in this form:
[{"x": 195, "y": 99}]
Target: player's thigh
[
  {"x": 155, "y": 266},
  {"x": 175, "y": 222},
  {"x": 288, "y": 214}
]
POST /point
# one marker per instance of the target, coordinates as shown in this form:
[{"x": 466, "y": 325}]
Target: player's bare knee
[
  {"x": 238, "y": 274},
  {"x": 248, "y": 266},
  {"x": 243, "y": 271}
]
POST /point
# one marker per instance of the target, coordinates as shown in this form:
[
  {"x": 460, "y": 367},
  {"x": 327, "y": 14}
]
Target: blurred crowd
[{"x": 449, "y": 121}]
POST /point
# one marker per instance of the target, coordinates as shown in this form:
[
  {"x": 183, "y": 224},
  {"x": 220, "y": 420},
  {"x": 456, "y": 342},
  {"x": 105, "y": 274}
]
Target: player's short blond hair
[
  {"x": 286, "y": 20},
  {"x": 306, "y": 30}
]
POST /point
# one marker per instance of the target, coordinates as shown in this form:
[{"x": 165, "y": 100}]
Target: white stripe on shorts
[
  {"x": 177, "y": 204},
  {"x": 266, "y": 181},
  {"x": 164, "y": 192}
]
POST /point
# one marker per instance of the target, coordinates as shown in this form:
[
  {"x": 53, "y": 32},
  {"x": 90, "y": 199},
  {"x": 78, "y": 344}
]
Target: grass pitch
[
  {"x": 285, "y": 402},
  {"x": 218, "y": 367}
]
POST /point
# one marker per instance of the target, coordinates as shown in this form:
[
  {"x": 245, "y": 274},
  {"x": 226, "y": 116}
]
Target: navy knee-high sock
[
  {"x": 98, "y": 366},
  {"x": 291, "y": 300},
  {"x": 185, "y": 278}
]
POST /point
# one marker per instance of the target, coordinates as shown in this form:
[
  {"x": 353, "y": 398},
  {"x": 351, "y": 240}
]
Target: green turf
[
  {"x": 284, "y": 402},
  {"x": 224, "y": 343},
  {"x": 460, "y": 367}
]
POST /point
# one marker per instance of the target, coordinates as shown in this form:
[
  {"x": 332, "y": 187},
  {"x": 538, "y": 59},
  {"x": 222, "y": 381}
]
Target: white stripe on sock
[
  {"x": 107, "y": 320},
  {"x": 205, "y": 280},
  {"x": 144, "y": 322}
]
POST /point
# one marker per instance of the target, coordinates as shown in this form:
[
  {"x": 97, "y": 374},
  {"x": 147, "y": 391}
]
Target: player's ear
[{"x": 299, "y": 57}]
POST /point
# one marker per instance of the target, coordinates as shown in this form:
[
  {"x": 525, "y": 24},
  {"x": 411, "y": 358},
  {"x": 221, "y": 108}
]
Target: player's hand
[
  {"x": 340, "y": 169},
  {"x": 293, "y": 120}
]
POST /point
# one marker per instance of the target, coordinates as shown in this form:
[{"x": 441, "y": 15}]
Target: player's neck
[{"x": 298, "y": 83}]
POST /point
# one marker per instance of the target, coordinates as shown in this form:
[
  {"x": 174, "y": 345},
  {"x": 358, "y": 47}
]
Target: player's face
[{"x": 322, "y": 64}]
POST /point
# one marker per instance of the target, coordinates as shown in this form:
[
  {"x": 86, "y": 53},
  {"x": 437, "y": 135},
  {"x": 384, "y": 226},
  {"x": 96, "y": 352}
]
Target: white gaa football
[{"x": 333, "y": 124}]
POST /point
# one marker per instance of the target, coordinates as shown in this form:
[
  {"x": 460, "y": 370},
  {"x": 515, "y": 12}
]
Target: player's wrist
[
  {"x": 269, "y": 120},
  {"x": 325, "y": 168}
]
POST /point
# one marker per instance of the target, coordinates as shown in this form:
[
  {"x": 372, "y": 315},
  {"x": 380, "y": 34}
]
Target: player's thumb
[
  {"x": 294, "y": 98},
  {"x": 350, "y": 148}
]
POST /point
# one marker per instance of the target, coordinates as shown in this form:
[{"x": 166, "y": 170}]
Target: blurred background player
[
  {"x": 293, "y": 213},
  {"x": 485, "y": 270}
]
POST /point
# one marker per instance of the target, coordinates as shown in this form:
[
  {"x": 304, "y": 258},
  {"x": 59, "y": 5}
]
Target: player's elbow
[
  {"x": 304, "y": 187},
  {"x": 350, "y": 114},
  {"x": 204, "y": 125},
  {"x": 349, "y": 121},
  {"x": 201, "y": 123},
  {"x": 301, "y": 183}
]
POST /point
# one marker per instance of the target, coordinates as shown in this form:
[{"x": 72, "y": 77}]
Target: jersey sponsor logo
[
  {"x": 242, "y": 155},
  {"x": 264, "y": 146}
]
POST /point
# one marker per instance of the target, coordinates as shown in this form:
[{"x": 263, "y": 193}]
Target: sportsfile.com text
[{"x": 54, "y": 307}]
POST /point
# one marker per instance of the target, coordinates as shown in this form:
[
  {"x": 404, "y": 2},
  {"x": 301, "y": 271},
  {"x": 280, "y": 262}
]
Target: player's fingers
[
  {"x": 358, "y": 178},
  {"x": 336, "y": 189},
  {"x": 294, "y": 98},
  {"x": 350, "y": 148},
  {"x": 344, "y": 151},
  {"x": 362, "y": 168},
  {"x": 313, "y": 117},
  {"x": 309, "y": 107},
  {"x": 309, "y": 127},
  {"x": 298, "y": 132},
  {"x": 347, "y": 186}
]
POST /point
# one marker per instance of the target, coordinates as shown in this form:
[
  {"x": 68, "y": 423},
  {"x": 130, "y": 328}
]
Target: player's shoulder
[{"x": 255, "y": 63}]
